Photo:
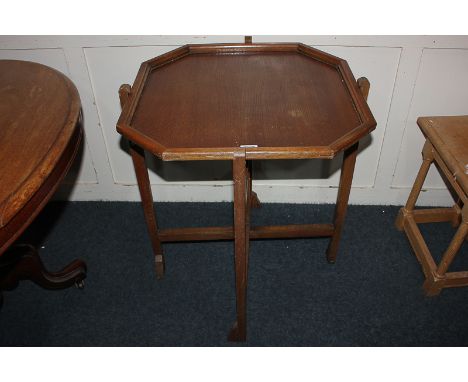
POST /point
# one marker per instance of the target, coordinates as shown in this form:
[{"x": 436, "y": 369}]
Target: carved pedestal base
[{"x": 22, "y": 262}]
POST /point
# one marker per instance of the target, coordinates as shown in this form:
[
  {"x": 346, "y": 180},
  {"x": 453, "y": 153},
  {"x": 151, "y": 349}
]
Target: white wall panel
[
  {"x": 109, "y": 68},
  {"x": 82, "y": 170},
  {"x": 441, "y": 89},
  {"x": 124, "y": 63}
]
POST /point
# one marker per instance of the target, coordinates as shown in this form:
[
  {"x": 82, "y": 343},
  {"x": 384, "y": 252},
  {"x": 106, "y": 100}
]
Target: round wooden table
[
  {"x": 40, "y": 134},
  {"x": 244, "y": 102}
]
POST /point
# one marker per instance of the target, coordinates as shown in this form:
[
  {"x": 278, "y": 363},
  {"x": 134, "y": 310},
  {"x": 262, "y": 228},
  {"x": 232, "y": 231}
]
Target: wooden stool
[{"x": 447, "y": 146}]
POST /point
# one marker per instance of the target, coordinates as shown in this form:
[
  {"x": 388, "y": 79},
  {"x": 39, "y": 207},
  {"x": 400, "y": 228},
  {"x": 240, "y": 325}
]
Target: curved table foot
[
  {"x": 22, "y": 262},
  {"x": 236, "y": 334}
]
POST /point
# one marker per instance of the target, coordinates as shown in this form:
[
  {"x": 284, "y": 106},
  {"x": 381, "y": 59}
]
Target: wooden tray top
[{"x": 276, "y": 100}]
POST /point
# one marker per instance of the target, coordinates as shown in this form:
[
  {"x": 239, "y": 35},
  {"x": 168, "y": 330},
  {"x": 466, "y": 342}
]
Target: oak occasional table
[
  {"x": 244, "y": 102},
  {"x": 446, "y": 147},
  {"x": 40, "y": 134}
]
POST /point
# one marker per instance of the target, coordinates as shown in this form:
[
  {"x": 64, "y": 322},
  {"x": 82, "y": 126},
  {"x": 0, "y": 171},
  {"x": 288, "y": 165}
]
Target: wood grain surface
[
  {"x": 39, "y": 137},
  {"x": 277, "y": 100},
  {"x": 449, "y": 135},
  {"x": 266, "y": 100}
]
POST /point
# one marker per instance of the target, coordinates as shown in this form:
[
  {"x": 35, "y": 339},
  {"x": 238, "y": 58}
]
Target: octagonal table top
[{"x": 271, "y": 100}]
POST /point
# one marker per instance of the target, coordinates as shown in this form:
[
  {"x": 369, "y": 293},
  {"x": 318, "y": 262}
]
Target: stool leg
[
  {"x": 431, "y": 286},
  {"x": 452, "y": 249},
  {"x": 455, "y": 244},
  {"x": 141, "y": 171},
  {"x": 241, "y": 188},
  {"x": 457, "y": 207},
  {"x": 346, "y": 178},
  {"x": 428, "y": 158}
]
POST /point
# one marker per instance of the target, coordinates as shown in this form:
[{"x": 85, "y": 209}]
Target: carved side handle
[
  {"x": 124, "y": 94},
  {"x": 364, "y": 86}
]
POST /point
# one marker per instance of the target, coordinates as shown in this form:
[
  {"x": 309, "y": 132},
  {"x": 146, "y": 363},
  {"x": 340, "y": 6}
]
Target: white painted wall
[{"x": 410, "y": 76}]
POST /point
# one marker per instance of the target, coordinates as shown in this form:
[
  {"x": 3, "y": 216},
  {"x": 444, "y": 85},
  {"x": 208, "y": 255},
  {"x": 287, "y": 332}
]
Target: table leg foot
[
  {"x": 237, "y": 334},
  {"x": 330, "y": 260},
  {"x": 22, "y": 262},
  {"x": 431, "y": 288},
  {"x": 159, "y": 266}
]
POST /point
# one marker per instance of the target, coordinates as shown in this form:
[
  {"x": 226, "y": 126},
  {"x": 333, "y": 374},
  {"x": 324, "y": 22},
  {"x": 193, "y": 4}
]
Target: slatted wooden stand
[{"x": 447, "y": 147}]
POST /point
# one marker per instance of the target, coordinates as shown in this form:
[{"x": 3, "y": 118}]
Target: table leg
[
  {"x": 241, "y": 198},
  {"x": 141, "y": 171},
  {"x": 346, "y": 178}
]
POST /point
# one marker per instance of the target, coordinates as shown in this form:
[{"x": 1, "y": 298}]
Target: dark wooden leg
[
  {"x": 249, "y": 204},
  {"x": 241, "y": 188},
  {"x": 138, "y": 157},
  {"x": 346, "y": 178},
  {"x": 254, "y": 201},
  {"x": 22, "y": 262}
]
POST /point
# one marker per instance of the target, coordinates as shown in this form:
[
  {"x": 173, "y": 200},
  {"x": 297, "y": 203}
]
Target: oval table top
[{"x": 39, "y": 137}]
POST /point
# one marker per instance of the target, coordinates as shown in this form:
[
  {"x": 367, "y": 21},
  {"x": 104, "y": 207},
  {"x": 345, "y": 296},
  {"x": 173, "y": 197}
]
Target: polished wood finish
[
  {"x": 204, "y": 102},
  {"x": 280, "y": 94},
  {"x": 243, "y": 102},
  {"x": 40, "y": 134},
  {"x": 39, "y": 114},
  {"x": 447, "y": 147}
]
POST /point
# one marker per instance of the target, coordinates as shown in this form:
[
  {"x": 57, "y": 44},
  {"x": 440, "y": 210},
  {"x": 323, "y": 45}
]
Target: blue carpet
[{"x": 372, "y": 296}]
